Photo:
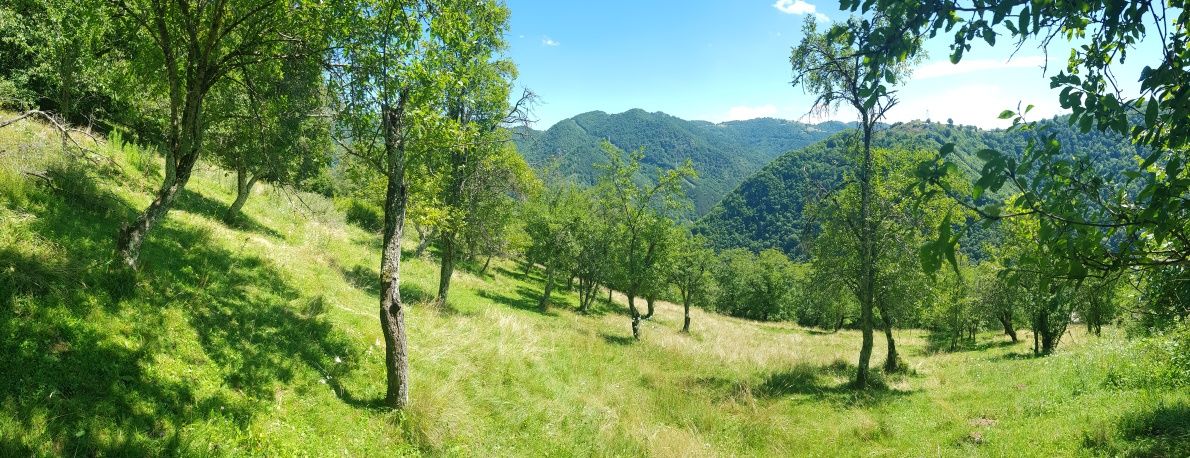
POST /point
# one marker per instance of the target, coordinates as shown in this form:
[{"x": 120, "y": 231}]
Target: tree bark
[
  {"x": 867, "y": 258},
  {"x": 185, "y": 140},
  {"x": 544, "y": 304},
  {"x": 1006, "y": 320},
  {"x": 686, "y": 310},
  {"x": 392, "y": 310},
  {"x": 486, "y": 263},
  {"x": 423, "y": 240},
  {"x": 446, "y": 269},
  {"x": 890, "y": 360},
  {"x": 244, "y": 184},
  {"x": 635, "y": 315},
  {"x": 648, "y": 308}
]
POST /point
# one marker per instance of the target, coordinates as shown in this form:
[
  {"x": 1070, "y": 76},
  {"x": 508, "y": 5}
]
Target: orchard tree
[
  {"x": 186, "y": 49},
  {"x": 384, "y": 89},
  {"x": 640, "y": 217},
  {"x": 269, "y": 125},
  {"x": 1099, "y": 221},
  {"x": 475, "y": 105},
  {"x": 552, "y": 223},
  {"x": 831, "y": 66},
  {"x": 593, "y": 264},
  {"x": 691, "y": 272}
]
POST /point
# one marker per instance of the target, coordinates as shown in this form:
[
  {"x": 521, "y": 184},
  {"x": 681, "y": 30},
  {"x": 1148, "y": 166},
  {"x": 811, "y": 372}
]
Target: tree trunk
[
  {"x": 867, "y": 258},
  {"x": 423, "y": 240},
  {"x": 648, "y": 308},
  {"x": 544, "y": 304},
  {"x": 1006, "y": 320},
  {"x": 686, "y": 309},
  {"x": 635, "y": 314},
  {"x": 446, "y": 269},
  {"x": 486, "y": 263},
  {"x": 609, "y": 295},
  {"x": 890, "y": 360},
  {"x": 244, "y": 185},
  {"x": 181, "y": 155},
  {"x": 392, "y": 311}
]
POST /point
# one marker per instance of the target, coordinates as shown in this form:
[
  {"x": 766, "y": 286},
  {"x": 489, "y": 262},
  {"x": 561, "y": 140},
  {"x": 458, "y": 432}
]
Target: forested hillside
[
  {"x": 723, "y": 154},
  {"x": 768, "y": 210}
]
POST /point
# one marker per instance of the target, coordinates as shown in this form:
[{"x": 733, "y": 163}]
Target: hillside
[
  {"x": 724, "y": 154},
  {"x": 766, "y": 210},
  {"x": 262, "y": 340}
]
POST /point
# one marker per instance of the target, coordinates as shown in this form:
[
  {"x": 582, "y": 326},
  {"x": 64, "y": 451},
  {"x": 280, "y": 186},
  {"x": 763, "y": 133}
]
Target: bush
[
  {"x": 361, "y": 214},
  {"x": 1160, "y": 361}
]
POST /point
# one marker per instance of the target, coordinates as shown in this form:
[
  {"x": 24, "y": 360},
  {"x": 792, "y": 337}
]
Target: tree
[
  {"x": 831, "y": 66},
  {"x": 691, "y": 272},
  {"x": 552, "y": 223},
  {"x": 191, "y": 48},
  {"x": 593, "y": 262},
  {"x": 640, "y": 216},
  {"x": 384, "y": 91},
  {"x": 472, "y": 42},
  {"x": 268, "y": 126},
  {"x": 1110, "y": 220}
]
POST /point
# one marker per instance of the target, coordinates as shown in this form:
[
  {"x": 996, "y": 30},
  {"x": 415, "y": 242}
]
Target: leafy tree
[
  {"x": 384, "y": 89},
  {"x": 691, "y": 272},
  {"x": 1108, "y": 221},
  {"x": 552, "y": 223},
  {"x": 190, "y": 48},
  {"x": 640, "y": 215},
  {"x": 268, "y": 126},
  {"x": 593, "y": 263},
  {"x": 830, "y": 65},
  {"x": 470, "y": 48},
  {"x": 756, "y": 286}
]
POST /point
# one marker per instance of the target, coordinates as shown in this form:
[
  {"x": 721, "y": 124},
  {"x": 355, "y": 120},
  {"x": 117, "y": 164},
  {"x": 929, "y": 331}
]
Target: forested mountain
[
  {"x": 724, "y": 154},
  {"x": 767, "y": 209}
]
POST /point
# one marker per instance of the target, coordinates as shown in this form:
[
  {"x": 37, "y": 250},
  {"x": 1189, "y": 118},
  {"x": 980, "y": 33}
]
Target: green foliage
[
  {"x": 759, "y": 287},
  {"x": 1158, "y": 361},
  {"x": 361, "y": 213}
]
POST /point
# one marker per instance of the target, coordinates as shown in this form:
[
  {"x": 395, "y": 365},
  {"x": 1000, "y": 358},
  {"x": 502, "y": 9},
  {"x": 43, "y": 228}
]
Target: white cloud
[
  {"x": 799, "y": 7},
  {"x": 943, "y": 68},
  {"x": 549, "y": 42},
  {"x": 742, "y": 112},
  {"x": 981, "y": 105}
]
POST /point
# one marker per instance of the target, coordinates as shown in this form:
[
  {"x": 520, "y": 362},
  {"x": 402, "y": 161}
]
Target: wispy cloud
[
  {"x": 547, "y": 41},
  {"x": 943, "y": 68},
  {"x": 742, "y": 112},
  {"x": 799, "y": 7}
]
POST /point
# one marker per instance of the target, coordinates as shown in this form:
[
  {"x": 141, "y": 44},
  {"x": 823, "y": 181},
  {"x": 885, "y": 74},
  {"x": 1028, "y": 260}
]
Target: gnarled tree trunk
[
  {"x": 392, "y": 310},
  {"x": 890, "y": 360},
  {"x": 447, "y": 268},
  {"x": 244, "y": 183}
]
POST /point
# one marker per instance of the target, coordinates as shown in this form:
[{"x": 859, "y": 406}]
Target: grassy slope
[{"x": 263, "y": 339}]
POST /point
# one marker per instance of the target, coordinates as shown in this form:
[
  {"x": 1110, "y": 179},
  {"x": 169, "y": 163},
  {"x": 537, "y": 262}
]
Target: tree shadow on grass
[
  {"x": 525, "y": 299},
  {"x": 81, "y": 382},
  {"x": 368, "y": 281},
  {"x": 940, "y": 343},
  {"x": 831, "y": 383},
  {"x": 617, "y": 340},
  {"x": 193, "y": 202},
  {"x": 1163, "y": 430}
]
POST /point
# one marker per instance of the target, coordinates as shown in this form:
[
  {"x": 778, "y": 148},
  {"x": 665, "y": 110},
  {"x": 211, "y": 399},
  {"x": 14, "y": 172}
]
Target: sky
[{"x": 722, "y": 60}]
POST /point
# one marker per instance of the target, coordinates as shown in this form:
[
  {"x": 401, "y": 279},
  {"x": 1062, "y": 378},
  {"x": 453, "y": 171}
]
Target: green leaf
[
  {"x": 1151, "y": 114},
  {"x": 1007, "y": 114},
  {"x": 946, "y": 149}
]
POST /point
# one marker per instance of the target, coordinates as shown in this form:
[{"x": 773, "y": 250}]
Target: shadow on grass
[
  {"x": 525, "y": 299},
  {"x": 79, "y": 382},
  {"x": 193, "y": 202},
  {"x": 617, "y": 340},
  {"x": 368, "y": 281},
  {"x": 1162, "y": 431},
  {"x": 831, "y": 383},
  {"x": 941, "y": 343}
]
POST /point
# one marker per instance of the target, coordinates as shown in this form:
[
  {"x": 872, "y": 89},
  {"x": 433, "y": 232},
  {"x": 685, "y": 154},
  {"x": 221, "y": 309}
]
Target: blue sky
[{"x": 721, "y": 60}]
